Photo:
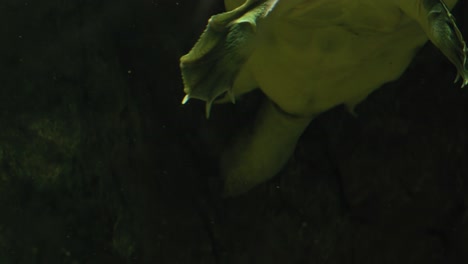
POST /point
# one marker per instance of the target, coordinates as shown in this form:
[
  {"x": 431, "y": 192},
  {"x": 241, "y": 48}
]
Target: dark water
[{"x": 99, "y": 162}]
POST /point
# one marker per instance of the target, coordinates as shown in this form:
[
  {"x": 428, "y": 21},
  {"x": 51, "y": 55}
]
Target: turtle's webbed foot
[{"x": 445, "y": 34}]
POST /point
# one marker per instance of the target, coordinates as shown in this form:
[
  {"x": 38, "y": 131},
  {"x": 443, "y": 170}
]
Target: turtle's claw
[
  {"x": 187, "y": 97},
  {"x": 463, "y": 71},
  {"x": 464, "y": 80}
]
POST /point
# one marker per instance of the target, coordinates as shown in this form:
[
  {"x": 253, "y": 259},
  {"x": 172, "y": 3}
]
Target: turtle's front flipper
[
  {"x": 447, "y": 37},
  {"x": 212, "y": 65},
  {"x": 435, "y": 18}
]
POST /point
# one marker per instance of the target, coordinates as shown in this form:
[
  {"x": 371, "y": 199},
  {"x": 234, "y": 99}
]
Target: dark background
[{"x": 100, "y": 163}]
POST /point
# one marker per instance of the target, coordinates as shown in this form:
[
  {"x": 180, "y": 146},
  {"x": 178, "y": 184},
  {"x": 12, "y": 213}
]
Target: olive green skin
[{"x": 307, "y": 56}]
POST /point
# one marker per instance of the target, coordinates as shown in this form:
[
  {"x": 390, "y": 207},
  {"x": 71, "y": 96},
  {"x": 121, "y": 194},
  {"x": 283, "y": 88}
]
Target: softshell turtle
[{"x": 307, "y": 56}]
